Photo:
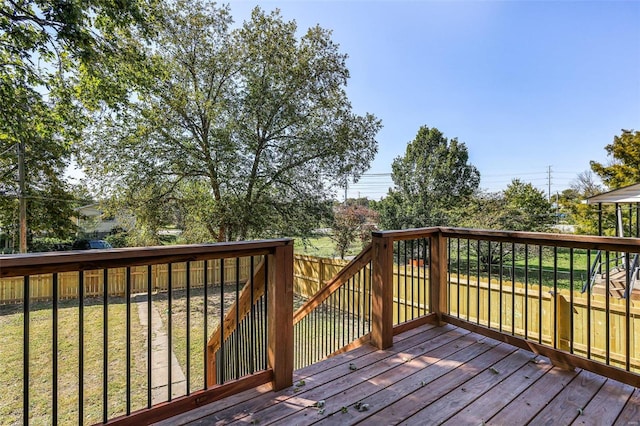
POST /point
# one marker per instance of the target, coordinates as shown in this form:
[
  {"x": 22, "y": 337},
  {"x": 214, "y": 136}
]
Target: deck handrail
[{"x": 12, "y": 265}]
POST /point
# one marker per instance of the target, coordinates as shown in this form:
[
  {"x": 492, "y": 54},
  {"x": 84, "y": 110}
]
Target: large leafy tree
[
  {"x": 432, "y": 180},
  {"x": 528, "y": 207},
  {"x": 624, "y": 166},
  {"x": 520, "y": 207},
  {"x": 245, "y": 130},
  {"x": 47, "y": 48}
]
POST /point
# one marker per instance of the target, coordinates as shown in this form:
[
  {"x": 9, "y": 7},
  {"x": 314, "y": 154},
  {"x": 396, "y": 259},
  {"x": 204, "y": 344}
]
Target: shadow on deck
[{"x": 431, "y": 375}]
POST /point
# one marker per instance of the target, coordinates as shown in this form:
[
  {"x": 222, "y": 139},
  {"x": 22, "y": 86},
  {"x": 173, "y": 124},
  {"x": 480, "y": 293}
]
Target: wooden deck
[{"x": 432, "y": 375}]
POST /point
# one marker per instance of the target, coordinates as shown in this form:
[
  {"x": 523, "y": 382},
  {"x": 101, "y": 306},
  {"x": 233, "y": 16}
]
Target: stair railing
[{"x": 594, "y": 271}]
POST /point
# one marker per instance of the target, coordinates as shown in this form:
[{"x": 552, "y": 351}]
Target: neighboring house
[{"x": 90, "y": 220}]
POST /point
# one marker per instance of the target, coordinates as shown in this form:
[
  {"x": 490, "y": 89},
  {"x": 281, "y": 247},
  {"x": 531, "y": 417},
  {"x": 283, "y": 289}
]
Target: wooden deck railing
[
  {"x": 473, "y": 284},
  {"x": 95, "y": 359},
  {"x": 473, "y": 279}
]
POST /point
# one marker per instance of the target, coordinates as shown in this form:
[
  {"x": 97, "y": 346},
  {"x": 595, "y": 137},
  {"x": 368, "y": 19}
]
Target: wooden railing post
[
  {"x": 280, "y": 316},
  {"x": 438, "y": 275},
  {"x": 382, "y": 291}
]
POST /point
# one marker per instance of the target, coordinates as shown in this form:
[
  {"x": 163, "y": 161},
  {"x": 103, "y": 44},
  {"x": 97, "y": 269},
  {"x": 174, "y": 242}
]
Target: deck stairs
[{"x": 618, "y": 276}]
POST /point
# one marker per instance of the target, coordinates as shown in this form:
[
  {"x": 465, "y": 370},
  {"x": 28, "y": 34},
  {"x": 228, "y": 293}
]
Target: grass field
[
  {"x": 323, "y": 247},
  {"x": 41, "y": 358}
]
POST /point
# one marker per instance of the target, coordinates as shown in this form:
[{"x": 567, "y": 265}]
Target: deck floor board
[{"x": 431, "y": 375}]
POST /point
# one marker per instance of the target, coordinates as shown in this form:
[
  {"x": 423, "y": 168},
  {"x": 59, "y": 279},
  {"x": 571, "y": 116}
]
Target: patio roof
[{"x": 628, "y": 194}]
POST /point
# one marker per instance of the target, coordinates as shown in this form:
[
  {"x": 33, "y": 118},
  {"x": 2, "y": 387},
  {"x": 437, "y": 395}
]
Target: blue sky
[{"x": 526, "y": 85}]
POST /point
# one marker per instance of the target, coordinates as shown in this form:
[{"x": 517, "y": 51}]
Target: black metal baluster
[
  {"x": 425, "y": 282},
  {"x": 489, "y": 284},
  {"x": 513, "y": 289},
  {"x": 149, "y": 342},
  {"x": 105, "y": 345},
  {"x": 205, "y": 336},
  {"x": 448, "y": 270},
  {"x": 458, "y": 274},
  {"x": 413, "y": 299},
  {"x": 556, "y": 336},
  {"x": 26, "y": 295},
  {"x": 627, "y": 307},
  {"x": 169, "y": 328},
  {"x": 334, "y": 309},
  {"x": 222, "y": 362},
  {"x": 252, "y": 363},
  {"x": 54, "y": 355},
  {"x": 354, "y": 329},
  {"x": 404, "y": 245},
  {"x": 526, "y": 291},
  {"x": 81, "y": 347},
  {"x": 540, "y": 294},
  {"x": 468, "y": 278},
  {"x": 419, "y": 300},
  {"x": 237, "y": 342},
  {"x": 588, "y": 305},
  {"x": 571, "y": 284},
  {"x": 348, "y": 301},
  {"x": 478, "y": 251},
  {"x": 360, "y": 326},
  {"x": 188, "y": 337},
  {"x": 398, "y": 279},
  {"x": 341, "y": 297},
  {"x": 607, "y": 307},
  {"x": 500, "y": 271},
  {"x": 128, "y": 337}
]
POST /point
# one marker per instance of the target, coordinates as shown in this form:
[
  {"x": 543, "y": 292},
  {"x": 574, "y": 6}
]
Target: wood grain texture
[
  {"x": 606, "y": 405},
  {"x": 438, "y": 284},
  {"x": 559, "y": 358},
  {"x": 280, "y": 314},
  {"x": 44, "y": 263},
  {"x": 382, "y": 292},
  {"x": 630, "y": 414},
  {"x": 197, "y": 399}
]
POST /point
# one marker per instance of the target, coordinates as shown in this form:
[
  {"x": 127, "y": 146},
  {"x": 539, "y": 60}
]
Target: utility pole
[
  {"x": 22, "y": 198},
  {"x": 346, "y": 187},
  {"x": 549, "y": 181}
]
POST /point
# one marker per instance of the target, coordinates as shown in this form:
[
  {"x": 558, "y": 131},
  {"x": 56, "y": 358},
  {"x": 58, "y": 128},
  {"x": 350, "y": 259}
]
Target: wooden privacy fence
[
  {"x": 559, "y": 328},
  {"x": 40, "y": 288}
]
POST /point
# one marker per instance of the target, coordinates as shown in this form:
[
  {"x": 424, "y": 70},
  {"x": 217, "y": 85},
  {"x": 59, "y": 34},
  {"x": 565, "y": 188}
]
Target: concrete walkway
[{"x": 160, "y": 358}]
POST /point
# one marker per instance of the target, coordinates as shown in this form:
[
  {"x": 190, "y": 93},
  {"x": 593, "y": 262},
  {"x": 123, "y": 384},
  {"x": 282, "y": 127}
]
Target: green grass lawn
[
  {"x": 41, "y": 358},
  {"x": 323, "y": 246},
  {"x": 532, "y": 262}
]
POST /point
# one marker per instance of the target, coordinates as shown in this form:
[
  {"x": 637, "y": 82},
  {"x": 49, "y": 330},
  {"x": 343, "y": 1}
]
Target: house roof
[
  {"x": 628, "y": 194},
  {"x": 89, "y": 210}
]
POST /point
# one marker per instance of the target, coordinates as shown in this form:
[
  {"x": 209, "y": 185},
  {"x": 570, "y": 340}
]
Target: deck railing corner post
[
  {"x": 382, "y": 291},
  {"x": 438, "y": 285},
  {"x": 280, "y": 314}
]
